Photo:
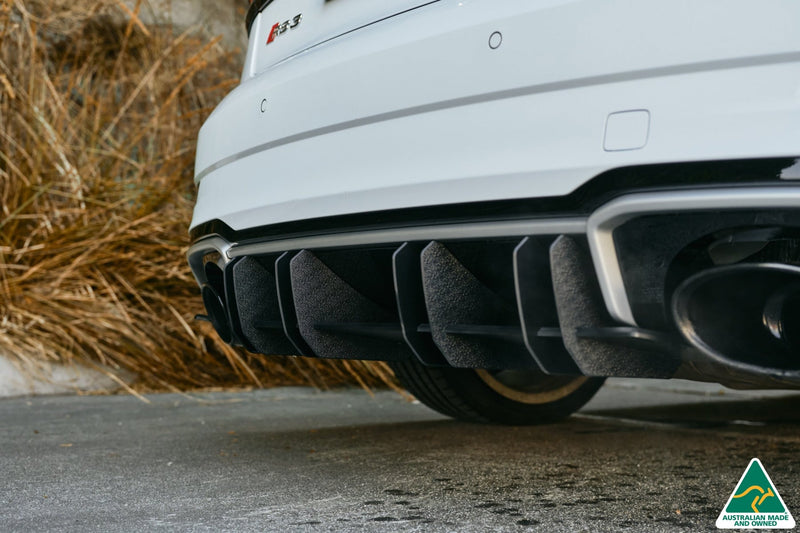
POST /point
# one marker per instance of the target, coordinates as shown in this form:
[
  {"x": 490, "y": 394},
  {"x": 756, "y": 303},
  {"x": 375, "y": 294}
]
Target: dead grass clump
[{"x": 98, "y": 118}]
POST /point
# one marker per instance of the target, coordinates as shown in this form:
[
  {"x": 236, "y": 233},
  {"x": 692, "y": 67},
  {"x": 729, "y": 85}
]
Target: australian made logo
[{"x": 755, "y": 503}]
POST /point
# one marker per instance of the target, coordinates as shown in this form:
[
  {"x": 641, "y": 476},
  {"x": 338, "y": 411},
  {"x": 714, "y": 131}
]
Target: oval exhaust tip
[
  {"x": 745, "y": 315},
  {"x": 217, "y": 314}
]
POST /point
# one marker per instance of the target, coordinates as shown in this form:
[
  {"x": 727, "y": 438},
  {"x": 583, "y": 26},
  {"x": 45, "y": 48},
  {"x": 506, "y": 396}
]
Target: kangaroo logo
[
  {"x": 755, "y": 503},
  {"x": 760, "y": 497}
]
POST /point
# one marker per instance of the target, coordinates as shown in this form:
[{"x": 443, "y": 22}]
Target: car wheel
[{"x": 515, "y": 397}]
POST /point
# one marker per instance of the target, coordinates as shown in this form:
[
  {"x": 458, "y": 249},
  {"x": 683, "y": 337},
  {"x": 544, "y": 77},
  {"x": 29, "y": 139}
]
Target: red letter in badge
[{"x": 273, "y": 32}]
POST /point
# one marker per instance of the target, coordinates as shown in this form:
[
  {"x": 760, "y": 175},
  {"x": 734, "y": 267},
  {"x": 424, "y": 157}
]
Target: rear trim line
[
  {"x": 556, "y": 226},
  {"x": 368, "y": 24},
  {"x": 689, "y": 68}
]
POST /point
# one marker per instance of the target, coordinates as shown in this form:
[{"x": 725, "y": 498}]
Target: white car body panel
[
  {"x": 321, "y": 21},
  {"x": 419, "y": 110}
]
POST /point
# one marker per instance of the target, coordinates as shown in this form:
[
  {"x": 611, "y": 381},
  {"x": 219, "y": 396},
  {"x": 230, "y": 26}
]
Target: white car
[{"x": 511, "y": 200}]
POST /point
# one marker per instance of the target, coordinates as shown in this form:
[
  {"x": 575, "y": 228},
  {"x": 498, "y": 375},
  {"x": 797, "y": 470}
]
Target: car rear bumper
[
  {"x": 422, "y": 188},
  {"x": 419, "y": 110},
  {"x": 382, "y": 293}
]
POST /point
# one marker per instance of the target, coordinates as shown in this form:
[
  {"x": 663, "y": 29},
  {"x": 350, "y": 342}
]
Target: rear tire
[{"x": 516, "y": 397}]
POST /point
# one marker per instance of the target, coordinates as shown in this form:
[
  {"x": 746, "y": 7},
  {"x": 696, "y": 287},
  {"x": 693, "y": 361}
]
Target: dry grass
[{"x": 98, "y": 118}]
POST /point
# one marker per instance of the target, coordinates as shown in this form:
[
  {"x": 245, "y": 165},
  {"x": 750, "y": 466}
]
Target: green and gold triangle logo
[{"x": 755, "y": 503}]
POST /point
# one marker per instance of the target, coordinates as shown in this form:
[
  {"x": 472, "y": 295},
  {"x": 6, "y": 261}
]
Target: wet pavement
[{"x": 642, "y": 456}]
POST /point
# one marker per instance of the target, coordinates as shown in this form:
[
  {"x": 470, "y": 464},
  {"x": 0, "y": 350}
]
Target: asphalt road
[{"x": 640, "y": 457}]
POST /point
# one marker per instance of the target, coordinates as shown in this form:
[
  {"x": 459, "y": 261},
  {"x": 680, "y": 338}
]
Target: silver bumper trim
[
  {"x": 201, "y": 248},
  {"x": 420, "y": 233},
  {"x": 603, "y": 222}
]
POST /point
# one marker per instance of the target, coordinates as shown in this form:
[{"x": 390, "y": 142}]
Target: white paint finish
[
  {"x": 439, "y": 52},
  {"x": 250, "y": 58},
  {"x": 544, "y": 139},
  {"x": 321, "y": 20},
  {"x": 418, "y": 110},
  {"x": 626, "y": 130},
  {"x": 538, "y": 145}
]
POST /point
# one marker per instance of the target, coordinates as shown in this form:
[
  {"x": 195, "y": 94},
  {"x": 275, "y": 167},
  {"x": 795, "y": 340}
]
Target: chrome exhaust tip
[{"x": 745, "y": 315}]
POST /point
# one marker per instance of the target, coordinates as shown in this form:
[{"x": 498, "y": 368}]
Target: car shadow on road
[
  {"x": 324, "y": 436},
  {"x": 760, "y": 412}
]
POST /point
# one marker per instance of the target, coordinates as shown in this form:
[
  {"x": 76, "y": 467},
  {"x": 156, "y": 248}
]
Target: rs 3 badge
[{"x": 282, "y": 27}]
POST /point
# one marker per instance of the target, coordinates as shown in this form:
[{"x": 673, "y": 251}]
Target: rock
[{"x": 20, "y": 379}]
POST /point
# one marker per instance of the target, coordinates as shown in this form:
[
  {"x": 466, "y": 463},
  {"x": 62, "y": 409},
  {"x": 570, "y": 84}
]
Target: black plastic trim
[
  {"x": 386, "y": 331},
  {"x": 491, "y": 331},
  {"x": 283, "y": 280},
  {"x": 256, "y": 7},
  {"x": 232, "y": 309},
  {"x": 411, "y": 308}
]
